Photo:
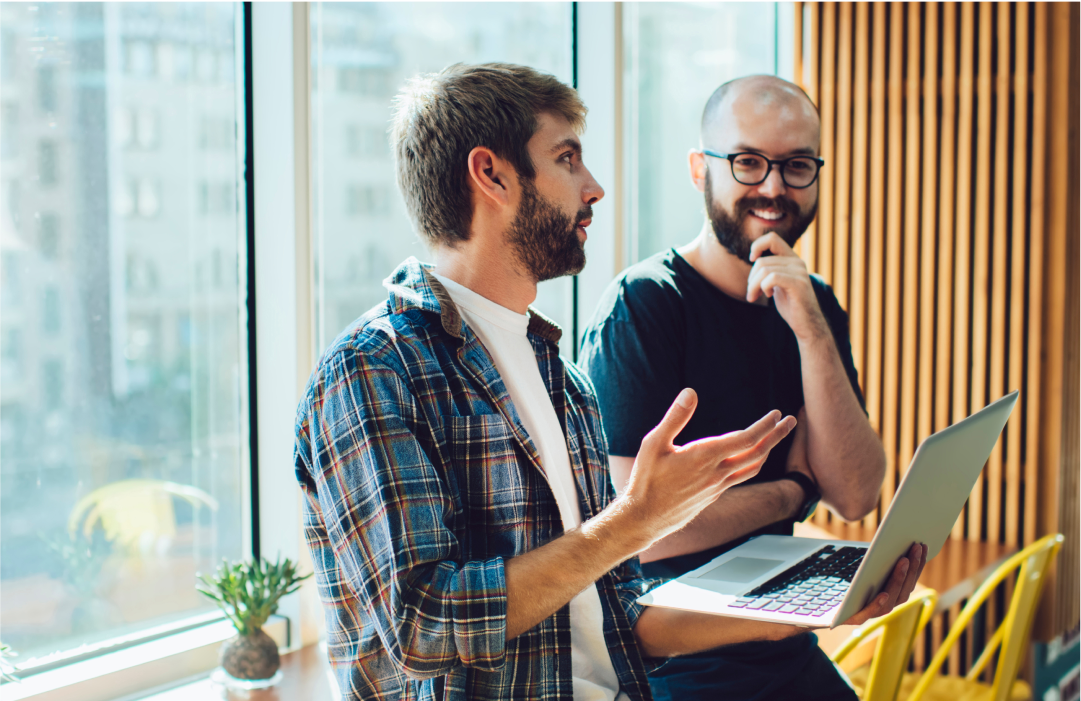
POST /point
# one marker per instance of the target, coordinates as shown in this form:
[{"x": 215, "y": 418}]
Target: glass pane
[
  {"x": 361, "y": 56},
  {"x": 123, "y": 415},
  {"x": 675, "y": 55}
]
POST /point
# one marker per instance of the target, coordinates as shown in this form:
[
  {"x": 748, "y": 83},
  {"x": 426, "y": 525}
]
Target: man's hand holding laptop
[
  {"x": 900, "y": 585},
  {"x": 666, "y": 496}
]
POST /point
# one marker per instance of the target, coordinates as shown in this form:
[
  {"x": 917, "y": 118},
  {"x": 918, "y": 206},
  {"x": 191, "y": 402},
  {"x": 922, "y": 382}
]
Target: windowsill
[
  {"x": 306, "y": 675},
  {"x": 138, "y": 668}
]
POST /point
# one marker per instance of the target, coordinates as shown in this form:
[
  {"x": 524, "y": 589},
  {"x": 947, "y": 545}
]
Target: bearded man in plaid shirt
[{"x": 466, "y": 537}]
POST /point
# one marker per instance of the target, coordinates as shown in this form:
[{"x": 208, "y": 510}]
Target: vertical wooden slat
[
  {"x": 827, "y": 83},
  {"x": 963, "y": 230},
  {"x": 1061, "y": 332},
  {"x": 947, "y": 156},
  {"x": 895, "y": 159},
  {"x": 980, "y": 291},
  {"x": 809, "y": 240},
  {"x": 951, "y": 241},
  {"x": 857, "y": 299},
  {"x": 937, "y": 626},
  {"x": 1017, "y": 274},
  {"x": 877, "y": 223},
  {"x": 928, "y": 280},
  {"x": 910, "y": 264},
  {"x": 797, "y": 69},
  {"x": 842, "y": 178},
  {"x": 999, "y": 280},
  {"x": 1038, "y": 199},
  {"x": 797, "y": 31},
  {"x": 813, "y": 253}
]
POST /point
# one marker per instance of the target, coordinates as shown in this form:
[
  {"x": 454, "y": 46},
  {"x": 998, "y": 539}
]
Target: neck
[
  {"x": 716, "y": 264},
  {"x": 486, "y": 271}
]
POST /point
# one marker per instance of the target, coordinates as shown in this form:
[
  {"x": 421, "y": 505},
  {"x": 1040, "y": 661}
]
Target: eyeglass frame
[{"x": 731, "y": 158}]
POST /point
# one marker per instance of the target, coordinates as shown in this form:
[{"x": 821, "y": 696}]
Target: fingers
[
  {"x": 678, "y": 415},
  {"x": 900, "y": 586},
  {"x": 736, "y": 461},
  {"x": 760, "y": 451},
  {"x": 766, "y": 275},
  {"x": 771, "y": 242},
  {"x": 741, "y": 475},
  {"x": 917, "y": 556},
  {"x": 738, "y": 442}
]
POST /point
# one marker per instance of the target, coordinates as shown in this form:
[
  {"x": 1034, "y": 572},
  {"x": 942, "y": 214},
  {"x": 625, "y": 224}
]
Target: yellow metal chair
[
  {"x": 899, "y": 629},
  {"x": 1010, "y": 640},
  {"x": 137, "y": 513}
]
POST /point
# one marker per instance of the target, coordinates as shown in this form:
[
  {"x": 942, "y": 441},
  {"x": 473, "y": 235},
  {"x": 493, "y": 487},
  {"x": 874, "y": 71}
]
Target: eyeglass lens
[{"x": 751, "y": 169}]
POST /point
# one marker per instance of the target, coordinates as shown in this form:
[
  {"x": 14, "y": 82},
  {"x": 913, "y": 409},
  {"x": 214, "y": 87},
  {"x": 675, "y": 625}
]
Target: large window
[
  {"x": 123, "y": 376},
  {"x": 361, "y": 55},
  {"x": 675, "y": 56}
]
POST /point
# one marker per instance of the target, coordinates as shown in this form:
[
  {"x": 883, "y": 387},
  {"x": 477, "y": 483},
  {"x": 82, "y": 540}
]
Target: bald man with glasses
[{"x": 735, "y": 315}]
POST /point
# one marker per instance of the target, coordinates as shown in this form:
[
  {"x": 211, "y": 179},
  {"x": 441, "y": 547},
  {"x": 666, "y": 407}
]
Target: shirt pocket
[{"x": 492, "y": 481}]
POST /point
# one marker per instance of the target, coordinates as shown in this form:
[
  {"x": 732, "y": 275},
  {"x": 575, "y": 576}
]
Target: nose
[
  {"x": 592, "y": 192},
  {"x": 773, "y": 185}
]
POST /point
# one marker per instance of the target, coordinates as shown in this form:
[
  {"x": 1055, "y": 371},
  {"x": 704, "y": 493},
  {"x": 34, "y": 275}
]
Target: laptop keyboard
[{"x": 809, "y": 588}]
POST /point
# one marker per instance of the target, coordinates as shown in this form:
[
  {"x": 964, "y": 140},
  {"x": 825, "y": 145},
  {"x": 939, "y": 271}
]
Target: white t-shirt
[{"x": 503, "y": 333}]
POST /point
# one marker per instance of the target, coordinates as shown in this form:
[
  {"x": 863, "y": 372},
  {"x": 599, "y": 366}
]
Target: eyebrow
[
  {"x": 739, "y": 148},
  {"x": 568, "y": 143}
]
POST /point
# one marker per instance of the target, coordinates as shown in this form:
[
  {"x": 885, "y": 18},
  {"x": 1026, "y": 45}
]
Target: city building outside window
[
  {"x": 675, "y": 56},
  {"x": 124, "y": 398},
  {"x": 362, "y": 54}
]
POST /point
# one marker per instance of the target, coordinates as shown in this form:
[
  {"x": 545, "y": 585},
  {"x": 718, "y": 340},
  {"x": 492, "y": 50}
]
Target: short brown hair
[{"x": 440, "y": 117}]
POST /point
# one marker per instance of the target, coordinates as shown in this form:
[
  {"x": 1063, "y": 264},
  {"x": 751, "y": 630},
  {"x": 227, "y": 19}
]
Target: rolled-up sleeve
[{"x": 384, "y": 506}]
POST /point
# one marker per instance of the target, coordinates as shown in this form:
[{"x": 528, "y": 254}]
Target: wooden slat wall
[{"x": 946, "y": 230}]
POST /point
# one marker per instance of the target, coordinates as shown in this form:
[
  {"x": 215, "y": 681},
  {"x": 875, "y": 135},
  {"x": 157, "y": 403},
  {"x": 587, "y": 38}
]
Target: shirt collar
[{"x": 411, "y": 286}]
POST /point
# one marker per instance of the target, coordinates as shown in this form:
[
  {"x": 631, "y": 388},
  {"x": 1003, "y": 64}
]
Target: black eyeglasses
[{"x": 750, "y": 168}]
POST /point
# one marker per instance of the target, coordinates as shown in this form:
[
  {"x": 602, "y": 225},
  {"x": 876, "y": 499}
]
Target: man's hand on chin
[{"x": 783, "y": 275}]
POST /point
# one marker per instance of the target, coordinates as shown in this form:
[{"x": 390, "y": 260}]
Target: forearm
[
  {"x": 542, "y": 581},
  {"x": 670, "y": 633},
  {"x": 843, "y": 449},
  {"x": 736, "y": 513}
]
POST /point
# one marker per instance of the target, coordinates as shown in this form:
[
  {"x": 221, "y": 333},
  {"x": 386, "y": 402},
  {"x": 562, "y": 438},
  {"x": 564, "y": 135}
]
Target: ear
[
  {"x": 696, "y": 160},
  {"x": 489, "y": 176}
]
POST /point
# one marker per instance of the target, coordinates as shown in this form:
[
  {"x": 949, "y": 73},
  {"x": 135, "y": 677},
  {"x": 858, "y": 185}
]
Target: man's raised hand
[{"x": 671, "y": 484}]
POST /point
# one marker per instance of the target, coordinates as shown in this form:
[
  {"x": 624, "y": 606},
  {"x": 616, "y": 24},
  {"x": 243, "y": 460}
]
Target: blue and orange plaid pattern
[{"x": 420, "y": 480}]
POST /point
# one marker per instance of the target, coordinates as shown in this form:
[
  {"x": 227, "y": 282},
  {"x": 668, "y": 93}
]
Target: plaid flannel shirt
[{"x": 420, "y": 481}]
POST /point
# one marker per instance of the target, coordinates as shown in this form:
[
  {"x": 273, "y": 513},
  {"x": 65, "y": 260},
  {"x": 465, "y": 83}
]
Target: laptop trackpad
[{"x": 741, "y": 569}]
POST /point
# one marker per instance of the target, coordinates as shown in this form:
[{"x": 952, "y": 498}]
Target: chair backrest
[
  {"x": 1011, "y": 637},
  {"x": 131, "y": 511},
  {"x": 899, "y": 628}
]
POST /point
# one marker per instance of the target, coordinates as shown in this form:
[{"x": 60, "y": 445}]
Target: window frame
[
  {"x": 275, "y": 72},
  {"x": 271, "y": 43}
]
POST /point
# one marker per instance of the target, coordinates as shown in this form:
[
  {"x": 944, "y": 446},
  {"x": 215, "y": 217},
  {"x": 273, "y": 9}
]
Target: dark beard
[
  {"x": 545, "y": 239},
  {"x": 728, "y": 227}
]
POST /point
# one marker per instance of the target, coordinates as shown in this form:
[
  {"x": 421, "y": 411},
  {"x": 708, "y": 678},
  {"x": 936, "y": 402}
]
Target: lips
[{"x": 767, "y": 214}]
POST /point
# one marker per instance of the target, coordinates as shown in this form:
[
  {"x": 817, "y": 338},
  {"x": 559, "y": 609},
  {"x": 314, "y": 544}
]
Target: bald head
[{"x": 758, "y": 98}]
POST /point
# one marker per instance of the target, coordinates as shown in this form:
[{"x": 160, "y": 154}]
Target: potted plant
[
  {"x": 248, "y": 594},
  {"x": 7, "y": 670}
]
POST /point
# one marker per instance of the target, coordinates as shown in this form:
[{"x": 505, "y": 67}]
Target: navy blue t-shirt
[{"x": 660, "y": 326}]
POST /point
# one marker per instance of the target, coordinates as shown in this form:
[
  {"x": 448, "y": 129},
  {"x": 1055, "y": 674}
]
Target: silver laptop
[{"x": 818, "y": 583}]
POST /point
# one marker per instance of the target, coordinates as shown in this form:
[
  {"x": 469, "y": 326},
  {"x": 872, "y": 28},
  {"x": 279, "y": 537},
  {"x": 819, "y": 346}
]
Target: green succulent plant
[
  {"x": 7, "y": 670},
  {"x": 248, "y": 592}
]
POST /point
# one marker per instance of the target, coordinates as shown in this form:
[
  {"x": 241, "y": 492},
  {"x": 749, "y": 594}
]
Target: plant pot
[{"x": 253, "y": 656}]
